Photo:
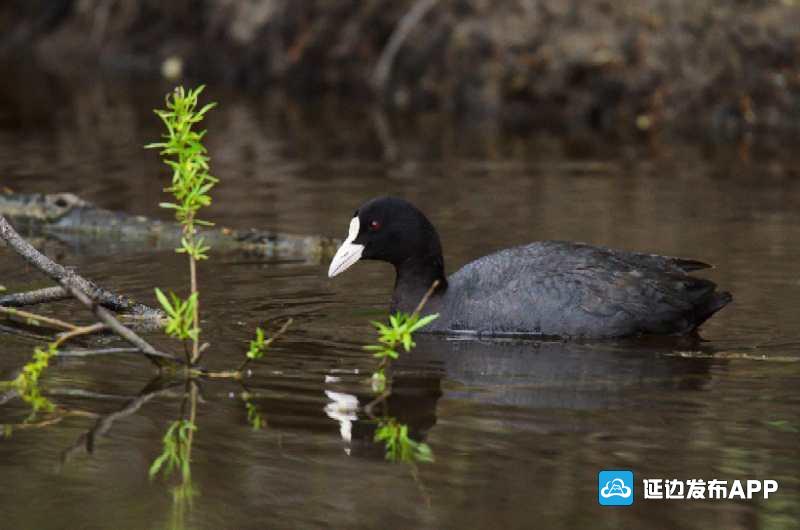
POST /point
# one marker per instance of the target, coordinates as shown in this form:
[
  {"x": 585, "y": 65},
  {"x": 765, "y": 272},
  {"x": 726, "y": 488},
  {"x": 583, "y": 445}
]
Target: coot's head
[{"x": 392, "y": 230}]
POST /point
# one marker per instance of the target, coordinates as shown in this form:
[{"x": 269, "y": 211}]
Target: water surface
[{"x": 519, "y": 429}]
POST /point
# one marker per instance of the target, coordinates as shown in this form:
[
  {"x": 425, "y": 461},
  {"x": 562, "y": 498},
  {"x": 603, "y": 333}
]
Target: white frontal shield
[{"x": 348, "y": 253}]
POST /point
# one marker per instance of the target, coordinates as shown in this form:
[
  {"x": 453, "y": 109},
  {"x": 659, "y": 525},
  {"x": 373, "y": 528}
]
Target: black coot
[{"x": 553, "y": 288}]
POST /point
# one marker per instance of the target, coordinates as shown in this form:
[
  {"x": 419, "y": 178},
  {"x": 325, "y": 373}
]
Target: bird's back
[{"x": 577, "y": 290}]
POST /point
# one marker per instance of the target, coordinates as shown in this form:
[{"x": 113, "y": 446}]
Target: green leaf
[
  {"x": 155, "y": 467},
  {"x": 424, "y": 321},
  {"x": 162, "y": 299}
]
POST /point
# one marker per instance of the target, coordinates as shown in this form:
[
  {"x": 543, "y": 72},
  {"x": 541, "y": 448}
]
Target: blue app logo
[{"x": 615, "y": 488}]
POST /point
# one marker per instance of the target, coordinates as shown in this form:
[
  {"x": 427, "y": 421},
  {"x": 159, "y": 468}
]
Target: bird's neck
[{"x": 414, "y": 278}]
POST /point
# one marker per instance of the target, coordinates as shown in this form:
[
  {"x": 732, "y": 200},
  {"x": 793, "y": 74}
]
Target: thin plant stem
[
  {"x": 383, "y": 396},
  {"x": 268, "y": 342},
  {"x": 10, "y": 311},
  {"x": 196, "y": 314},
  {"x": 192, "y": 417},
  {"x": 425, "y": 298},
  {"x": 77, "y": 332}
]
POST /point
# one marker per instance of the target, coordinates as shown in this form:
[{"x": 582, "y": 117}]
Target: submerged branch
[{"x": 59, "y": 273}]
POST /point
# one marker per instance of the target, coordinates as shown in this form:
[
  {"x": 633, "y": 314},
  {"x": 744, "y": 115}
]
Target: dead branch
[
  {"x": 34, "y": 319},
  {"x": 368, "y": 408},
  {"x": 53, "y": 419},
  {"x": 98, "y": 351},
  {"x": 425, "y": 298},
  {"x": 383, "y": 68},
  {"x": 105, "y": 316},
  {"x": 82, "y": 290},
  {"x": 77, "y": 332},
  {"x": 5, "y": 397},
  {"x": 14, "y": 330},
  {"x": 59, "y": 272},
  {"x": 39, "y": 296}
]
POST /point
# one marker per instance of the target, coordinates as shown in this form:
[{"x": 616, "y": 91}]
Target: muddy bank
[{"x": 726, "y": 67}]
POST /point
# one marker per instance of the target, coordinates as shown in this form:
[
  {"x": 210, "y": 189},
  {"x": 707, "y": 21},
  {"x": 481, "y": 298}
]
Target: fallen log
[{"x": 68, "y": 218}]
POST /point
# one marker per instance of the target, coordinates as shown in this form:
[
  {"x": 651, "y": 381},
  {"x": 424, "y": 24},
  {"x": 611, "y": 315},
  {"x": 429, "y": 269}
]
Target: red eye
[{"x": 375, "y": 225}]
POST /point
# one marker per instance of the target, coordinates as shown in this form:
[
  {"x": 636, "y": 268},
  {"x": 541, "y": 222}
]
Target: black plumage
[{"x": 552, "y": 288}]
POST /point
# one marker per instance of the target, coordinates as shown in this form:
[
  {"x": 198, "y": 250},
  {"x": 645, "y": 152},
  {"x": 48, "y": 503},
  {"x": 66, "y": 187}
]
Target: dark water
[{"x": 519, "y": 429}]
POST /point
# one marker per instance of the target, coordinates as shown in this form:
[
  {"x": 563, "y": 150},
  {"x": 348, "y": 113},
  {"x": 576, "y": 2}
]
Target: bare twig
[
  {"x": 39, "y": 296},
  {"x": 116, "y": 326},
  {"x": 81, "y": 289},
  {"x": 425, "y": 298},
  {"x": 383, "y": 69},
  {"x": 106, "y": 421},
  {"x": 98, "y": 351},
  {"x": 77, "y": 332},
  {"x": 379, "y": 399},
  {"x": 84, "y": 394},
  {"x": 58, "y": 272},
  {"x": 5, "y": 397},
  {"x": 53, "y": 419},
  {"x": 383, "y": 130},
  {"x": 268, "y": 342},
  {"x": 34, "y": 319},
  {"x": 224, "y": 374},
  {"x": 13, "y": 330}
]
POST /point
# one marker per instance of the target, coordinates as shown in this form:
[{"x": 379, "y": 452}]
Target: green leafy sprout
[
  {"x": 259, "y": 346},
  {"x": 397, "y": 335},
  {"x": 27, "y": 382},
  {"x": 399, "y": 447},
  {"x": 176, "y": 451},
  {"x": 180, "y": 315},
  {"x": 176, "y": 455},
  {"x": 254, "y": 417},
  {"x": 183, "y": 151}
]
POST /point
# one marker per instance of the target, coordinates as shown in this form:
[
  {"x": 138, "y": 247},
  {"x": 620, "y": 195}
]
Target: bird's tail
[{"x": 713, "y": 303}]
